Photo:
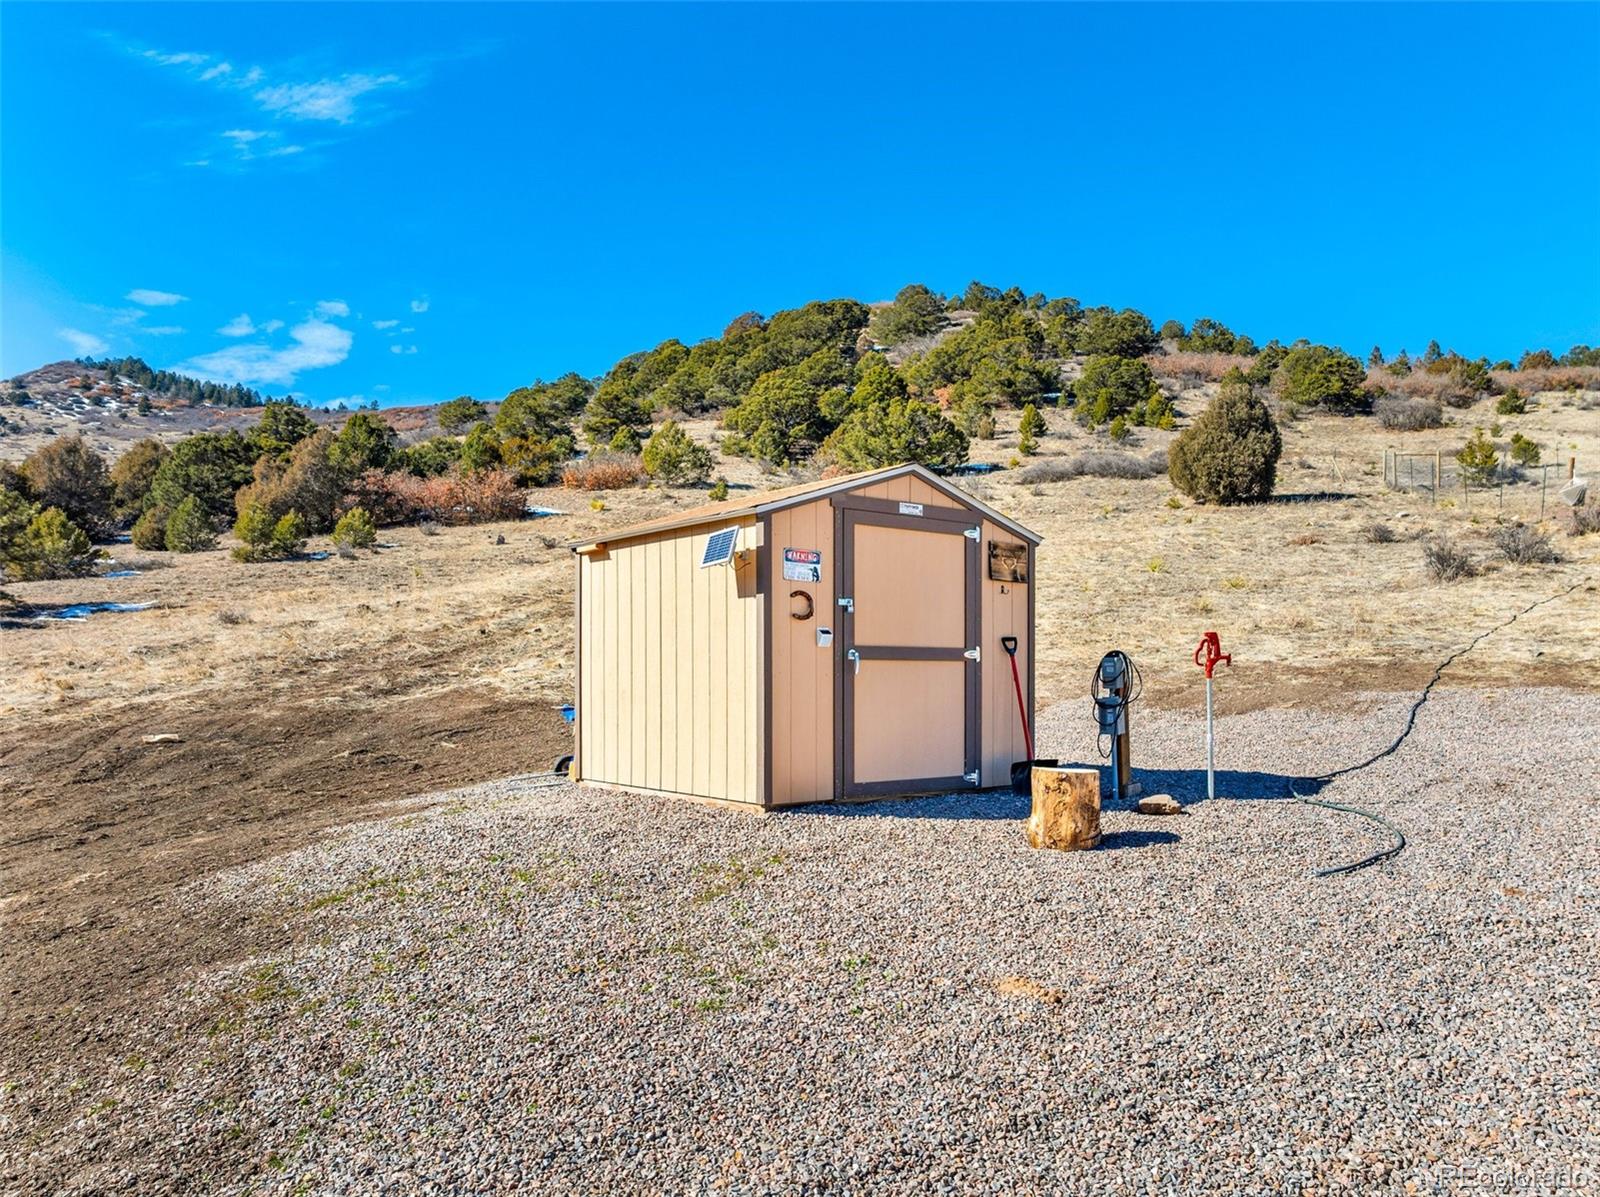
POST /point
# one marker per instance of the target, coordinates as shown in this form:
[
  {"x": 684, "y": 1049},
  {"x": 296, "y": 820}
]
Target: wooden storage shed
[{"x": 839, "y": 639}]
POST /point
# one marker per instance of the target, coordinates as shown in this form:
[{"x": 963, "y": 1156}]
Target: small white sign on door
[
  {"x": 911, "y": 509},
  {"x": 802, "y": 565}
]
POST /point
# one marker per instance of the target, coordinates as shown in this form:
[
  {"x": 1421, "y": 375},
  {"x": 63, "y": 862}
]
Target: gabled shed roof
[{"x": 761, "y": 502}]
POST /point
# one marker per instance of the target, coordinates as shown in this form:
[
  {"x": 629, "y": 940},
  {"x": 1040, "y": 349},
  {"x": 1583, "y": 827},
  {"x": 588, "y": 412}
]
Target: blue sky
[{"x": 406, "y": 203}]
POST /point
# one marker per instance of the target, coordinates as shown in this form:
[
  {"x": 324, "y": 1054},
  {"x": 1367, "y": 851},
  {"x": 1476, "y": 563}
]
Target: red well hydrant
[{"x": 1207, "y": 656}]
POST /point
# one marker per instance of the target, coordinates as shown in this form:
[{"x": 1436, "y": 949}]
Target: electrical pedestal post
[
  {"x": 1208, "y": 655},
  {"x": 1114, "y": 689}
]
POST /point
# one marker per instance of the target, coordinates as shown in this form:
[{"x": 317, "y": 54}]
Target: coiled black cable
[{"x": 1105, "y": 701}]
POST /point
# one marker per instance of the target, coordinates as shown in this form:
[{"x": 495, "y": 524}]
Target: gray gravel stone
[{"x": 536, "y": 988}]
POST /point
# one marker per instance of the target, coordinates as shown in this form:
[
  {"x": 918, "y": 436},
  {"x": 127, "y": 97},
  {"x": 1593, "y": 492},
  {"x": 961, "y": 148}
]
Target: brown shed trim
[
  {"x": 855, "y": 502},
  {"x": 764, "y": 589},
  {"x": 847, "y": 515},
  {"x": 1033, "y": 647},
  {"x": 575, "y": 773}
]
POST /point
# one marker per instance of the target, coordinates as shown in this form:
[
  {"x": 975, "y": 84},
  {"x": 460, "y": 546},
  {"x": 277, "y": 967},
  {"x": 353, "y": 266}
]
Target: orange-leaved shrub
[
  {"x": 393, "y": 497},
  {"x": 603, "y": 471}
]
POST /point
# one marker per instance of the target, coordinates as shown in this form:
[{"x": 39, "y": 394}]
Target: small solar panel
[{"x": 719, "y": 549}]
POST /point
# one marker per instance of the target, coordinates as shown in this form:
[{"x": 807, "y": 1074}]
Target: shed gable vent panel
[{"x": 719, "y": 548}]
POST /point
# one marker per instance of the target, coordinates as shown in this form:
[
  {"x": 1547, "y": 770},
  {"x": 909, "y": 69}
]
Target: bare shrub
[
  {"x": 1201, "y": 367},
  {"x": 1409, "y": 415},
  {"x": 1304, "y": 539},
  {"x": 1522, "y": 545},
  {"x": 1581, "y": 521},
  {"x": 603, "y": 471},
  {"x": 1551, "y": 378},
  {"x": 1419, "y": 384},
  {"x": 1447, "y": 561},
  {"x": 1378, "y": 532},
  {"x": 1095, "y": 463},
  {"x": 231, "y": 617}
]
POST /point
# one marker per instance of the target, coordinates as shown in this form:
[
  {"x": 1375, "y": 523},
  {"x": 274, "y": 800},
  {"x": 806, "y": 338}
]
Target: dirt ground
[{"x": 311, "y": 694}]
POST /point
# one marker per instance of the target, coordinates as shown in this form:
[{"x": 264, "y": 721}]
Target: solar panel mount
[{"x": 719, "y": 547}]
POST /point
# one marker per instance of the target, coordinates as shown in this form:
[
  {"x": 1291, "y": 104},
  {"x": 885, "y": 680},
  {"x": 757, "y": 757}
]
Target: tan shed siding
[
  {"x": 802, "y": 673},
  {"x": 907, "y": 489},
  {"x": 1003, "y": 615},
  {"x": 670, "y": 658}
]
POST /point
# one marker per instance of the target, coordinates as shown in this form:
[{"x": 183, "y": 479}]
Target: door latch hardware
[
  {"x": 849, "y": 604},
  {"x": 856, "y": 657},
  {"x": 974, "y": 654}
]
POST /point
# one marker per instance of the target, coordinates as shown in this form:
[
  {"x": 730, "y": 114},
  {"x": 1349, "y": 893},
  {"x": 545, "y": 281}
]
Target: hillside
[{"x": 111, "y": 412}]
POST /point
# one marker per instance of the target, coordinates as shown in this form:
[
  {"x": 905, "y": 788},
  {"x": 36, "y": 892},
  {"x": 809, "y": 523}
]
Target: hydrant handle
[{"x": 1209, "y": 653}]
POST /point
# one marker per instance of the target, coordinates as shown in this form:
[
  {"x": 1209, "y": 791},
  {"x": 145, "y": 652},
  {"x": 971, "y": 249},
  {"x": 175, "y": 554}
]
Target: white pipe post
[{"x": 1211, "y": 741}]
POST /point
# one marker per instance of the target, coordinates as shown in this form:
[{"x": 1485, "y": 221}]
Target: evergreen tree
[
  {"x": 1230, "y": 453},
  {"x": 189, "y": 528},
  {"x": 673, "y": 457}
]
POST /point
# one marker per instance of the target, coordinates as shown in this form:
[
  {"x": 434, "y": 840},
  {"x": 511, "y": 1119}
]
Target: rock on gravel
[
  {"x": 536, "y": 988},
  {"x": 1159, "y": 804}
]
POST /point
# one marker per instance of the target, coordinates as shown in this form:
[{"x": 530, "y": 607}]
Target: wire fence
[{"x": 1508, "y": 485}]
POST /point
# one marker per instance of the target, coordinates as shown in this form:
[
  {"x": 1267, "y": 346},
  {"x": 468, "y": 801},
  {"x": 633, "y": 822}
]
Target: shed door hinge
[
  {"x": 971, "y": 778},
  {"x": 974, "y": 654},
  {"x": 973, "y": 533}
]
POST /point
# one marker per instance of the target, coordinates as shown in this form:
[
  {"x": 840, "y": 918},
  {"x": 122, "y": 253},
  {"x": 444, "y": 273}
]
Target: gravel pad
[{"x": 536, "y": 988}]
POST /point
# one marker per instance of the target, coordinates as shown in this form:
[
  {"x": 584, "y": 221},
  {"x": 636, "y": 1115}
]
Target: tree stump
[{"x": 1066, "y": 809}]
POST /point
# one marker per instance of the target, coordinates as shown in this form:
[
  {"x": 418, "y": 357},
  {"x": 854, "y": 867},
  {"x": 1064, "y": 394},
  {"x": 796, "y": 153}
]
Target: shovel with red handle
[
  {"x": 1208, "y": 656},
  {"x": 1022, "y": 771}
]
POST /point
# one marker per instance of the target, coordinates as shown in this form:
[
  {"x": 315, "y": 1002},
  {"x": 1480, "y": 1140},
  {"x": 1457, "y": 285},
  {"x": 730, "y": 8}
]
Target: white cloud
[
  {"x": 164, "y": 330},
  {"x": 184, "y": 59},
  {"x": 154, "y": 299},
  {"x": 381, "y": 386},
  {"x": 83, "y": 344},
  {"x": 384, "y": 324},
  {"x": 333, "y": 307},
  {"x": 408, "y": 349},
  {"x": 322, "y": 99},
  {"x": 242, "y": 326},
  {"x": 247, "y": 145},
  {"x": 419, "y": 305},
  {"x": 285, "y": 93},
  {"x": 315, "y": 344}
]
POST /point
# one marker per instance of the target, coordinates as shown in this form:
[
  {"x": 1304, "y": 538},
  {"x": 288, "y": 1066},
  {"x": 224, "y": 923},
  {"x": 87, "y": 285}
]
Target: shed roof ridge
[{"x": 780, "y": 498}]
